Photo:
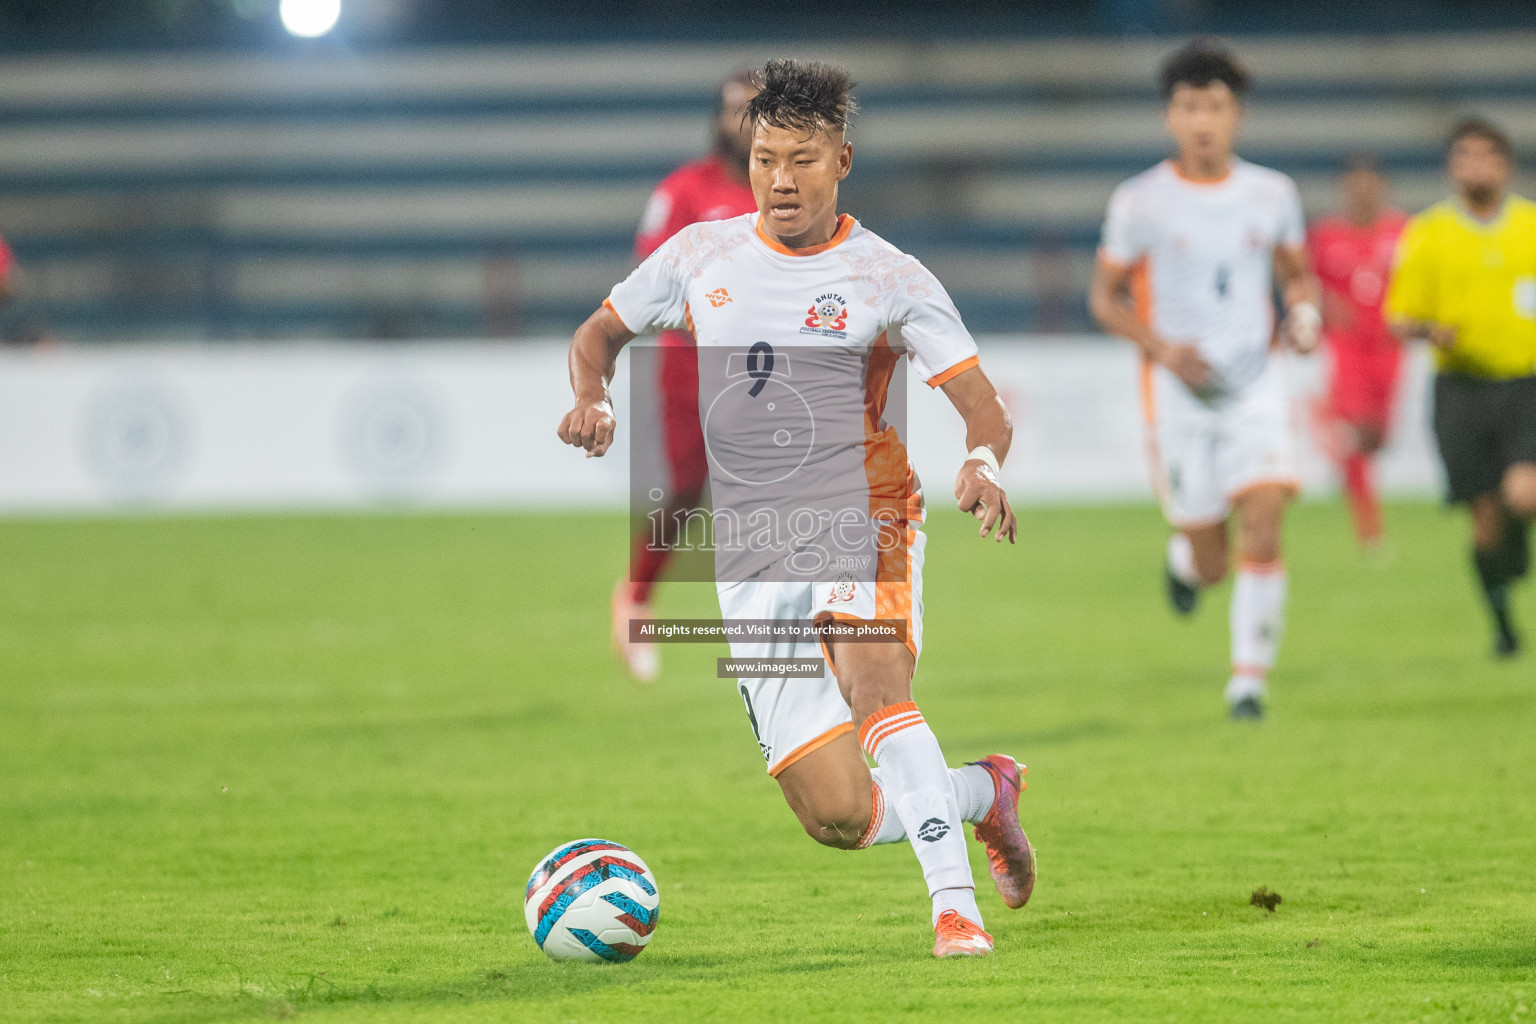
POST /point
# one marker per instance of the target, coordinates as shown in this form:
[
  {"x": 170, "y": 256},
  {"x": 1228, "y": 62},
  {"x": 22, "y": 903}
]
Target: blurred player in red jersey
[
  {"x": 7, "y": 274},
  {"x": 1352, "y": 253},
  {"x": 713, "y": 188}
]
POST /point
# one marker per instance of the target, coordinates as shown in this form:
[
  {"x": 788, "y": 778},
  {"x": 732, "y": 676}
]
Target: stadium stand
[{"x": 494, "y": 191}]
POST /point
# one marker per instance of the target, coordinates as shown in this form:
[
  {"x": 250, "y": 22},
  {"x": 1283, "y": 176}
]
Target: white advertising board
[{"x": 464, "y": 425}]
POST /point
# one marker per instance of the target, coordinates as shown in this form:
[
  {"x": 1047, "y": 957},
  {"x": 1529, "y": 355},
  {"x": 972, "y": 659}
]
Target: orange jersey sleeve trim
[
  {"x": 608, "y": 305},
  {"x": 1106, "y": 258},
  {"x": 845, "y": 225},
  {"x": 810, "y": 746},
  {"x": 1141, "y": 289},
  {"x": 954, "y": 371}
]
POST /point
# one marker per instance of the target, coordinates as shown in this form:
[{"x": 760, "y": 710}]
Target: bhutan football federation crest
[
  {"x": 827, "y": 317},
  {"x": 843, "y": 589}
]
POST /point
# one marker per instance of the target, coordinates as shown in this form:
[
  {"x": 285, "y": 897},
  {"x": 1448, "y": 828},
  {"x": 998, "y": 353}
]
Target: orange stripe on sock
[
  {"x": 1262, "y": 568},
  {"x": 885, "y": 730},
  {"x": 876, "y": 816},
  {"x": 884, "y": 713},
  {"x": 1252, "y": 671}
]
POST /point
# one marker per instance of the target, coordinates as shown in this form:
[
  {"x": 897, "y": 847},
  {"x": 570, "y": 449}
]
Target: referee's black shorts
[{"x": 1483, "y": 427}]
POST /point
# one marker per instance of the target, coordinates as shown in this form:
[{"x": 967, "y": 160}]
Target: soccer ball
[{"x": 592, "y": 900}]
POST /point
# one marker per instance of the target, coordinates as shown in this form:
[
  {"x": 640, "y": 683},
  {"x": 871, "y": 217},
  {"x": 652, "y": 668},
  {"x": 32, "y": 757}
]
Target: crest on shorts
[
  {"x": 843, "y": 589},
  {"x": 828, "y": 317}
]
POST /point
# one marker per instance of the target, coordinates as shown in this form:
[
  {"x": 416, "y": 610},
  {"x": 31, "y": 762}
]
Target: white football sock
[
  {"x": 1181, "y": 559},
  {"x": 1257, "y": 622},
  {"x": 971, "y": 785},
  {"x": 963, "y": 900},
  {"x": 974, "y": 791},
  {"x": 917, "y": 788},
  {"x": 883, "y": 827},
  {"x": 1243, "y": 685}
]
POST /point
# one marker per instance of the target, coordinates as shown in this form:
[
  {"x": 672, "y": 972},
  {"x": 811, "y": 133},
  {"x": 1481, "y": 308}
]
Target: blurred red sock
[
  {"x": 645, "y": 570},
  {"x": 1363, "y": 503}
]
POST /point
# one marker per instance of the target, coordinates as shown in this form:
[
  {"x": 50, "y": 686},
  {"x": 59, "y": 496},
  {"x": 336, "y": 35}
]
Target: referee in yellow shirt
[{"x": 1466, "y": 281}]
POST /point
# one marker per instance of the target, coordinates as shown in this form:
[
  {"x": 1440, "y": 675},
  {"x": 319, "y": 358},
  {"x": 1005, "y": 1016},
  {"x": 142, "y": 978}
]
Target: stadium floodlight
[{"x": 309, "y": 19}]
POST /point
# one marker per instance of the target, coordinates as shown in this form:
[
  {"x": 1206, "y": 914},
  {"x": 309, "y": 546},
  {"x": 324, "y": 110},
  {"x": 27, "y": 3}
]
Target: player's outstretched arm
[
  {"x": 594, "y": 350},
  {"x": 1109, "y": 302},
  {"x": 988, "y": 435},
  {"x": 1303, "y": 322}
]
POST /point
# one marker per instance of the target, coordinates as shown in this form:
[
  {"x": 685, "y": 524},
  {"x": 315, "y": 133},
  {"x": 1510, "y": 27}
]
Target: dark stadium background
[{"x": 149, "y": 249}]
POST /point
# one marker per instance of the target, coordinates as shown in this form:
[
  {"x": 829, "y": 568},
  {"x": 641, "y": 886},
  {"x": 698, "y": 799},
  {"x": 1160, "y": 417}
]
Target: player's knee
[
  {"x": 839, "y": 827},
  {"x": 1519, "y": 491},
  {"x": 1262, "y": 549}
]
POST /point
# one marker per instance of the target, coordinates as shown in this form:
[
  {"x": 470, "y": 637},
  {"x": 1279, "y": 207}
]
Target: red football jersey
[
  {"x": 7, "y": 260},
  {"x": 701, "y": 190},
  {"x": 1355, "y": 265}
]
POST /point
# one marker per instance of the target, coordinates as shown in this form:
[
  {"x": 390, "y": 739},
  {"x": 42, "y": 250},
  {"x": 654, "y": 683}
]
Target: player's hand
[
  {"x": 1302, "y": 328},
  {"x": 1187, "y": 362},
  {"x": 978, "y": 492},
  {"x": 590, "y": 425}
]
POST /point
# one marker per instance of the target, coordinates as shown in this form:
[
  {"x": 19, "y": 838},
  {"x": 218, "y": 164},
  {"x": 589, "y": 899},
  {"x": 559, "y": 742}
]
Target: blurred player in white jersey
[
  {"x": 807, "y": 288},
  {"x": 1191, "y": 253}
]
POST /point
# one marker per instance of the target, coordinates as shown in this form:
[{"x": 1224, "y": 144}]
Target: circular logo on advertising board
[
  {"x": 136, "y": 438},
  {"x": 394, "y": 437}
]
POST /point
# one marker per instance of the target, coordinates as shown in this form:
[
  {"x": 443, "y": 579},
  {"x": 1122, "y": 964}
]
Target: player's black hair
[
  {"x": 1201, "y": 62},
  {"x": 803, "y": 96},
  {"x": 1482, "y": 128}
]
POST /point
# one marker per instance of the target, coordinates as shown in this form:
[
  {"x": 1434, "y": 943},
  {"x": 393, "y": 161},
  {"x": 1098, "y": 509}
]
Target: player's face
[
  {"x": 1364, "y": 191},
  {"x": 1203, "y": 121},
  {"x": 733, "y": 130},
  {"x": 795, "y": 181},
  {"x": 1479, "y": 171}
]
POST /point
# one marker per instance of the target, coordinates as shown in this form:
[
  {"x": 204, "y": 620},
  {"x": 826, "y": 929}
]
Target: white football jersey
[
  {"x": 731, "y": 284},
  {"x": 1204, "y": 258},
  {"x": 798, "y": 422}
]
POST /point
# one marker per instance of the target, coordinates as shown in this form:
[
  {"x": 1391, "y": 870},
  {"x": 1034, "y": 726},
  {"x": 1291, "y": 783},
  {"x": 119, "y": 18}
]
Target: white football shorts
[
  {"x": 790, "y": 717},
  {"x": 1205, "y": 454}
]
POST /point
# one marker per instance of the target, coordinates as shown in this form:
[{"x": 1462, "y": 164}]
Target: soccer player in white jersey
[
  {"x": 1191, "y": 253},
  {"x": 798, "y": 274}
]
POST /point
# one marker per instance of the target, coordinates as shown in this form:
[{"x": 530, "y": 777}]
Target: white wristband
[
  {"x": 981, "y": 453},
  {"x": 1306, "y": 321}
]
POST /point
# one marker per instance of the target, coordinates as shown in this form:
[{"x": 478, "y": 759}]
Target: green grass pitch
[{"x": 256, "y": 768}]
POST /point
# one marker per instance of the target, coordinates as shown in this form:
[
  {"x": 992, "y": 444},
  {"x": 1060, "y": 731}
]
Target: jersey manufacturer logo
[
  {"x": 718, "y": 297},
  {"x": 828, "y": 317}
]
